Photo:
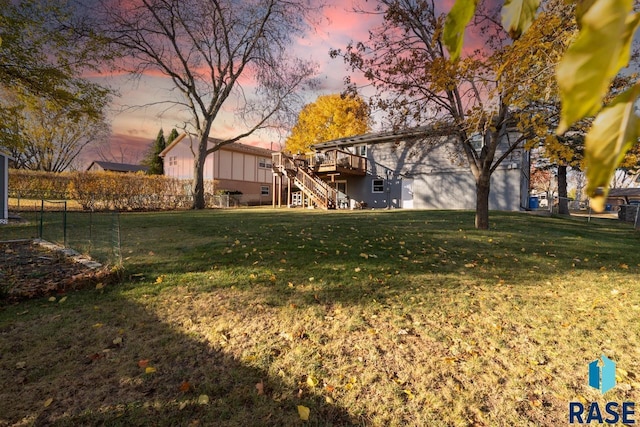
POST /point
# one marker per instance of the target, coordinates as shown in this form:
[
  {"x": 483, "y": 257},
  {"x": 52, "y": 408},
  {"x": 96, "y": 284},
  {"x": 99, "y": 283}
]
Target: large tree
[
  {"x": 46, "y": 136},
  {"x": 48, "y": 111},
  {"x": 219, "y": 55},
  {"x": 329, "y": 117},
  {"x": 406, "y": 61},
  {"x": 41, "y": 55},
  {"x": 596, "y": 56}
]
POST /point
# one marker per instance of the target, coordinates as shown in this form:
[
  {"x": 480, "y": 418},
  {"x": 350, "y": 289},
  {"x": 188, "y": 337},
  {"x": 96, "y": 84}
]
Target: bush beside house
[{"x": 104, "y": 190}]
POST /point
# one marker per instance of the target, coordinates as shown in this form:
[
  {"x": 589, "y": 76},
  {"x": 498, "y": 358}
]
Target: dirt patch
[{"x": 29, "y": 270}]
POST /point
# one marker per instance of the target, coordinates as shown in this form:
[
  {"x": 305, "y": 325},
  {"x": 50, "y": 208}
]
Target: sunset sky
[{"x": 135, "y": 122}]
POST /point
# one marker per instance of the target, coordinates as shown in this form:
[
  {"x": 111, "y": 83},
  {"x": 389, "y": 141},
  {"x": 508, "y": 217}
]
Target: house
[
  {"x": 623, "y": 196},
  {"x": 235, "y": 168},
  {"x": 100, "y": 166},
  {"x": 4, "y": 186},
  {"x": 420, "y": 168}
]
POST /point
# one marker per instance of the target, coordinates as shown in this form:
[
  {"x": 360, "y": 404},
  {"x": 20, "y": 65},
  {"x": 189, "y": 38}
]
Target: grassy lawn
[{"x": 368, "y": 318}]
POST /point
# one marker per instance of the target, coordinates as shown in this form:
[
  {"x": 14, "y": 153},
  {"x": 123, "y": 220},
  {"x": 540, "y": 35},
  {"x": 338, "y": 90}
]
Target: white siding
[
  {"x": 250, "y": 166},
  {"x": 225, "y": 165},
  {"x": 237, "y": 171}
]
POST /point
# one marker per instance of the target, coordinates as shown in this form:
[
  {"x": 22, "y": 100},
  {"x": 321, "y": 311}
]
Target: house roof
[
  {"x": 118, "y": 167},
  {"x": 233, "y": 146},
  {"x": 379, "y": 137},
  {"x": 624, "y": 192}
]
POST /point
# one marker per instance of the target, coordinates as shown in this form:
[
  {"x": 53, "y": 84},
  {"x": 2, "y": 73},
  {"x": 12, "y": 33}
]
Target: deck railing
[{"x": 337, "y": 159}]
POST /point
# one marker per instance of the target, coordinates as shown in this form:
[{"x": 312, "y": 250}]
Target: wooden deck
[{"x": 338, "y": 161}]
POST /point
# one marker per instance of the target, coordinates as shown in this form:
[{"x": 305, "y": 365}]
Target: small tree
[
  {"x": 172, "y": 135},
  {"x": 153, "y": 160}
]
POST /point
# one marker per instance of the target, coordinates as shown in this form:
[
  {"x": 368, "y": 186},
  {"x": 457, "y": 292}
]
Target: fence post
[
  {"x": 41, "y": 218},
  {"x": 64, "y": 224}
]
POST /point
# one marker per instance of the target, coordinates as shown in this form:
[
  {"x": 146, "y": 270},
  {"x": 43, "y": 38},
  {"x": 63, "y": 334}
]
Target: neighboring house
[
  {"x": 100, "y": 166},
  {"x": 622, "y": 196},
  {"x": 4, "y": 186},
  {"x": 235, "y": 168},
  {"x": 417, "y": 168}
]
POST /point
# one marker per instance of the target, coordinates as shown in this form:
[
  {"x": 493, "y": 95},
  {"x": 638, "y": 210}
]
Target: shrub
[{"x": 105, "y": 190}]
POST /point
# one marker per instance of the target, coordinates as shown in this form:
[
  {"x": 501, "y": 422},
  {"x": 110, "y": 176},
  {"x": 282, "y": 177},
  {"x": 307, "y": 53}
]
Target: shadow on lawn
[{"x": 94, "y": 380}]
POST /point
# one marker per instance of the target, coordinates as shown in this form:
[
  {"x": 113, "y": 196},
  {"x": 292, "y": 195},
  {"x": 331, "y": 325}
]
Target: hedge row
[{"x": 105, "y": 190}]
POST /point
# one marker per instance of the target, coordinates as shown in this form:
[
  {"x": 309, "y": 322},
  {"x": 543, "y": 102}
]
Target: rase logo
[{"x": 602, "y": 376}]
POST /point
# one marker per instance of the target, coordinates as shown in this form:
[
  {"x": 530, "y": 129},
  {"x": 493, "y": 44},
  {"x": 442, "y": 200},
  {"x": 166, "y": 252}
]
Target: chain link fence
[
  {"x": 96, "y": 234},
  {"x": 630, "y": 213}
]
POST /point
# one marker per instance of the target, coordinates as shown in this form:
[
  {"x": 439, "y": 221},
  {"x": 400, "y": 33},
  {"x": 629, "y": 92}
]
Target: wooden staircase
[{"x": 319, "y": 192}]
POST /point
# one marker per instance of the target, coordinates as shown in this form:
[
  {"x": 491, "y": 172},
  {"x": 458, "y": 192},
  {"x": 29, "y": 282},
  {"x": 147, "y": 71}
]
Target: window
[
  {"x": 361, "y": 150},
  {"x": 477, "y": 142},
  {"x": 264, "y": 163},
  {"x": 377, "y": 186},
  {"x": 173, "y": 161},
  {"x": 264, "y": 190}
]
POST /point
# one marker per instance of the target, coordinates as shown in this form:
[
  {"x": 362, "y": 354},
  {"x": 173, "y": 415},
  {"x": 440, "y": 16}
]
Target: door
[
  {"x": 343, "y": 199},
  {"x": 407, "y": 193}
]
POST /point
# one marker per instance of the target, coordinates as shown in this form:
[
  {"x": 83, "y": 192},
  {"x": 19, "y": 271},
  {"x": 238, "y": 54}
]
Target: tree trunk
[
  {"x": 563, "y": 201},
  {"x": 483, "y": 186},
  {"x": 198, "y": 175}
]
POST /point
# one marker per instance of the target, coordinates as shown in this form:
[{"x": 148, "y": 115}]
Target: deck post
[
  {"x": 273, "y": 193},
  {"x": 280, "y": 193}
]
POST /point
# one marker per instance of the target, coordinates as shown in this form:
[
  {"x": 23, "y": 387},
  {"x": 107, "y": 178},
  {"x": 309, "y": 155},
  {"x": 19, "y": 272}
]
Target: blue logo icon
[{"x": 602, "y": 374}]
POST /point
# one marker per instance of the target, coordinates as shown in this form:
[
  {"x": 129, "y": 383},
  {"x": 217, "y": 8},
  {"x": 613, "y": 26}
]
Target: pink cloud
[{"x": 340, "y": 26}]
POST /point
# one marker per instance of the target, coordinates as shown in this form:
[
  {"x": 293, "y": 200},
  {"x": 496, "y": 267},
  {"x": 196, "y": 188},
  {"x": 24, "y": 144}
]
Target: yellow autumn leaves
[
  {"x": 584, "y": 75},
  {"x": 330, "y": 117}
]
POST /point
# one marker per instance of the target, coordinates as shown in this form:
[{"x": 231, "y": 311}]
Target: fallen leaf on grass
[
  {"x": 21, "y": 365},
  {"x": 143, "y": 363},
  {"x": 312, "y": 381},
  {"x": 95, "y": 356},
  {"x": 203, "y": 399},
  {"x": 99, "y": 286},
  {"x": 304, "y": 412},
  {"x": 260, "y": 388},
  {"x": 117, "y": 341},
  {"x": 63, "y": 299},
  {"x": 185, "y": 386},
  {"x": 149, "y": 370},
  {"x": 48, "y": 402}
]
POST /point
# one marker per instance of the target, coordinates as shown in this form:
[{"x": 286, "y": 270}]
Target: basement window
[
  {"x": 264, "y": 190},
  {"x": 377, "y": 186}
]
